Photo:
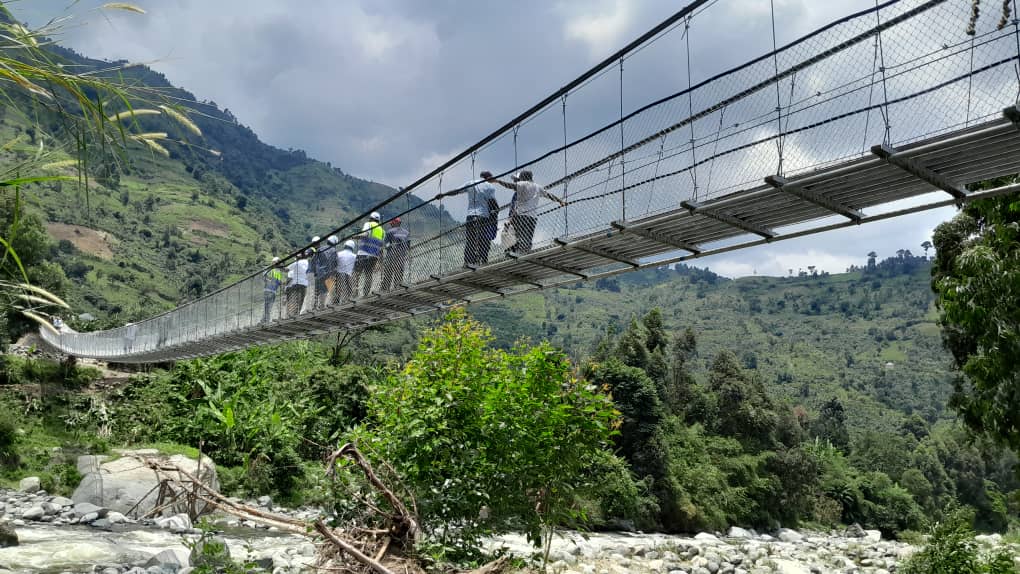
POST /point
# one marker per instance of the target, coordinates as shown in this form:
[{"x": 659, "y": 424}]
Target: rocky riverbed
[
  {"x": 739, "y": 551},
  {"x": 55, "y": 535}
]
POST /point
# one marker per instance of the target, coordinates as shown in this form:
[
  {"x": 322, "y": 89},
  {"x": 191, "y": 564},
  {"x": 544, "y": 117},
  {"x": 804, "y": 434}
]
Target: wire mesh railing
[{"x": 900, "y": 72}]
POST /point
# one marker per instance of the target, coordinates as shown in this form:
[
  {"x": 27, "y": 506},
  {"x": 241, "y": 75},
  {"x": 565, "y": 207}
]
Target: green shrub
[
  {"x": 951, "y": 549},
  {"x": 8, "y": 438},
  {"x": 618, "y": 496},
  {"x": 487, "y": 439}
]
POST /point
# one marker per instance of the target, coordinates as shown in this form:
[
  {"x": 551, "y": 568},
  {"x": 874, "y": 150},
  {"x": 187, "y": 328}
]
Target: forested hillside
[
  {"x": 867, "y": 336},
  {"x": 140, "y": 231}
]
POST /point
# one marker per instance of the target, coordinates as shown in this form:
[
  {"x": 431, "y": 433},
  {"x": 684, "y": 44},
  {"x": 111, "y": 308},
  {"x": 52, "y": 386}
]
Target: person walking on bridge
[
  {"x": 274, "y": 277},
  {"x": 345, "y": 260},
  {"x": 324, "y": 266},
  {"x": 482, "y": 210},
  {"x": 370, "y": 246},
  {"x": 297, "y": 283},
  {"x": 398, "y": 247},
  {"x": 524, "y": 217}
]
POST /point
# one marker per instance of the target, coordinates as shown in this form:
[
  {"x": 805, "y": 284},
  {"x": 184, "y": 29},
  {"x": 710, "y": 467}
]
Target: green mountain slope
[{"x": 151, "y": 230}]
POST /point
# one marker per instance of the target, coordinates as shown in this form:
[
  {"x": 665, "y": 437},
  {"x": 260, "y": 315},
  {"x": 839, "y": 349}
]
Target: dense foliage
[
  {"x": 951, "y": 549},
  {"x": 977, "y": 278},
  {"x": 488, "y": 439},
  {"x": 729, "y": 453}
]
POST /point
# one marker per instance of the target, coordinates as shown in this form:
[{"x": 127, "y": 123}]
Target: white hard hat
[
  {"x": 375, "y": 215},
  {"x": 276, "y": 259},
  {"x": 350, "y": 245},
  {"x": 332, "y": 240},
  {"x": 316, "y": 239}
]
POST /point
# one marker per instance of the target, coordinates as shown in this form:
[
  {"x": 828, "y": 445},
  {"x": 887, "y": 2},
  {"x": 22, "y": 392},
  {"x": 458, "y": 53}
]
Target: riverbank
[{"x": 57, "y": 536}]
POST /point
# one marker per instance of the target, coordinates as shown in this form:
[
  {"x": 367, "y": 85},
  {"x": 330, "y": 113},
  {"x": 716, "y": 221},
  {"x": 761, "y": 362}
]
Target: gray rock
[
  {"x": 92, "y": 516},
  {"x": 737, "y": 532},
  {"x": 51, "y": 508},
  {"x": 34, "y": 513},
  {"x": 176, "y": 523},
  {"x": 705, "y": 536},
  {"x": 265, "y": 501},
  {"x": 116, "y": 518},
  {"x": 991, "y": 539},
  {"x": 166, "y": 559},
  {"x": 100, "y": 523},
  {"x": 789, "y": 535},
  {"x": 61, "y": 501},
  {"x": 854, "y": 531},
  {"x": 8, "y": 537},
  {"x": 873, "y": 535},
  {"x": 29, "y": 484}
]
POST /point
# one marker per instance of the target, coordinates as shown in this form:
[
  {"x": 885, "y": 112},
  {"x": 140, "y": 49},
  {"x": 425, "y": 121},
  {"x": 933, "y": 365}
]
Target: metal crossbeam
[
  {"x": 603, "y": 253},
  {"x": 477, "y": 286},
  {"x": 381, "y": 303},
  {"x": 731, "y": 220},
  {"x": 918, "y": 170},
  {"x": 540, "y": 263},
  {"x": 786, "y": 186},
  {"x": 628, "y": 227}
]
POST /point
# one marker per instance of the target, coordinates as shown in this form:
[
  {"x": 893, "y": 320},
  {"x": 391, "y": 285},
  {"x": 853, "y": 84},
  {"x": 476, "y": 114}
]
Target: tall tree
[
  {"x": 926, "y": 246},
  {"x": 655, "y": 332},
  {"x": 631, "y": 347},
  {"x": 745, "y": 410},
  {"x": 831, "y": 425},
  {"x": 976, "y": 275},
  {"x": 678, "y": 390}
]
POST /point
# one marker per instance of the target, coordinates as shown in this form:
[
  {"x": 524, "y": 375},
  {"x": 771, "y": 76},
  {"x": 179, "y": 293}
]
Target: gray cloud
[{"x": 388, "y": 89}]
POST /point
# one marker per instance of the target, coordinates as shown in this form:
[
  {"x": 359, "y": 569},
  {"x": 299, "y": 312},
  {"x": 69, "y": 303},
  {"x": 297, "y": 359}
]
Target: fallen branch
[
  {"x": 226, "y": 505},
  {"x": 405, "y": 525},
  {"x": 343, "y": 545}
]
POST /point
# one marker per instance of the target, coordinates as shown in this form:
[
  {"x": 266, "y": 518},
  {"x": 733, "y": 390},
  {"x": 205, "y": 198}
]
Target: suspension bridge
[{"x": 893, "y": 110}]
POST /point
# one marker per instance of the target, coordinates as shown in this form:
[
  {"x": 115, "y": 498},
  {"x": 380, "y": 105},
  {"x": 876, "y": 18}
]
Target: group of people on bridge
[{"x": 334, "y": 273}]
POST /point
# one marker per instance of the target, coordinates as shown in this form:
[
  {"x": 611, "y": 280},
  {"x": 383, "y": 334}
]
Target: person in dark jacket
[
  {"x": 324, "y": 266},
  {"x": 370, "y": 246},
  {"x": 398, "y": 247}
]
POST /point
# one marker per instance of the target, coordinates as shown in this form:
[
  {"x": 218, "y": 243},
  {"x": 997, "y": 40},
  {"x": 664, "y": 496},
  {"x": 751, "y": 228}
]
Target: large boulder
[
  {"x": 29, "y": 484},
  {"x": 130, "y": 486}
]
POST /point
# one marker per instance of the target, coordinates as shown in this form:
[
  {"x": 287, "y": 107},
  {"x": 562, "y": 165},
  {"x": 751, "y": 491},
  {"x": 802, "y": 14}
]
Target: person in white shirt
[
  {"x": 297, "y": 283},
  {"x": 345, "y": 259},
  {"x": 482, "y": 211},
  {"x": 524, "y": 216}
]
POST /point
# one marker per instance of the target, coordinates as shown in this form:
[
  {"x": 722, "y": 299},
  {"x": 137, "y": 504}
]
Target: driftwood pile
[{"x": 384, "y": 550}]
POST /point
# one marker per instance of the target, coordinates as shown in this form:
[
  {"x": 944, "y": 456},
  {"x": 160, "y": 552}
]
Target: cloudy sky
[{"x": 387, "y": 89}]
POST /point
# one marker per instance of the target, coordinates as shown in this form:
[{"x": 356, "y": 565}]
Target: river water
[{"x": 56, "y": 549}]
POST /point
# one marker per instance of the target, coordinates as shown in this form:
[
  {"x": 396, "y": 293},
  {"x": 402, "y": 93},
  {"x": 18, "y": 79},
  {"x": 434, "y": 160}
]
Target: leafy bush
[
  {"x": 8, "y": 437},
  {"x": 487, "y": 439},
  {"x": 617, "y": 496},
  {"x": 951, "y": 549}
]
